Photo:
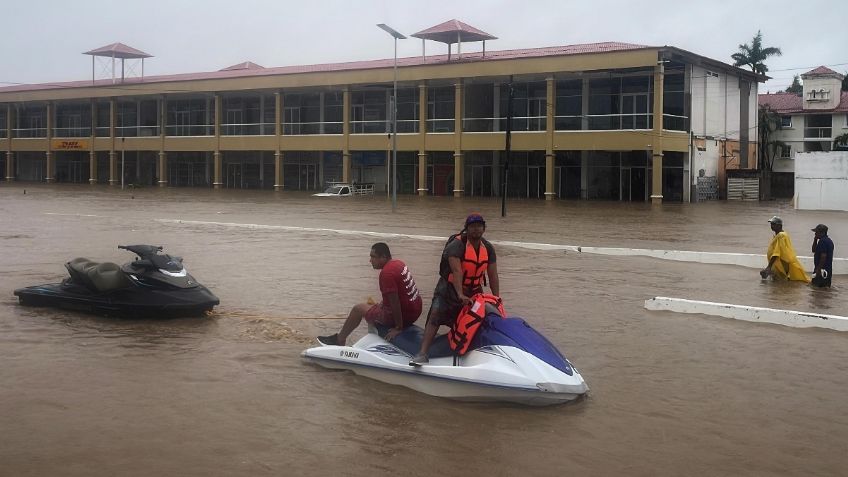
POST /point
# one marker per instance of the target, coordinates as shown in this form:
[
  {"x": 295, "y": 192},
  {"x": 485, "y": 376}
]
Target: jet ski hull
[
  {"x": 133, "y": 302},
  {"x": 490, "y": 373}
]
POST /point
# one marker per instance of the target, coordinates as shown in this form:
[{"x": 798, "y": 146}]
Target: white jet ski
[{"x": 507, "y": 361}]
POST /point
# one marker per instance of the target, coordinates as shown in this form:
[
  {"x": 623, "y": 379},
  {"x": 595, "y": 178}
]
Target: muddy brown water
[{"x": 229, "y": 395}]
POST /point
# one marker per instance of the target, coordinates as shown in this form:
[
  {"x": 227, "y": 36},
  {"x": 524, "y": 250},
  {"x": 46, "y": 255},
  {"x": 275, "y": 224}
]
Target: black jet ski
[{"x": 155, "y": 284}]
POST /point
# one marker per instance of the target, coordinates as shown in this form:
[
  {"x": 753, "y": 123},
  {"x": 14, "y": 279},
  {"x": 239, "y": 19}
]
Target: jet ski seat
[
  {"x": 409, "y": 340},
  {"x": 97, "y": 276}
]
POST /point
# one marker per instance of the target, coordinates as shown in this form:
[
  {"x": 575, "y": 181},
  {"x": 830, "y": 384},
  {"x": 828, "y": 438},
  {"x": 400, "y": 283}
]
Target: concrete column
[
  {"x": 657, "y": 146},
  {"x": 346, "y": 172},
  {"x": 217, "y": 183},
  {"x": 51, "y": 161},
  {"x": 10, "y": 166},
  {"x": 550, "y": 159},
  {"x": 458, "y": 111},
  {"x": 584, "y": 174},
  {"x": 457, "y": 174},
  {"x": 92, "y": 167},
  {"x": 584, "y": 105},
  {"x": 422, "y": 173},
  {"x": 51, "y": 167},
  {"x": 163, "y": 169},
  {"x": 549, "y": 134},
  {"x": 278, "y": 170},
  {"x": 113, "y": 168}
]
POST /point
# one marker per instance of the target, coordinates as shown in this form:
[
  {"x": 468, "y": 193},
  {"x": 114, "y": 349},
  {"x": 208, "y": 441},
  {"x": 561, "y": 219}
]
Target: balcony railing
[
  {"x": 519, "y": 123},
  {"x": 440, "y": 125},
  {"x": 818, "y": 133},
  {"x": 301, "y": 128},
  {"x": 136, "y": 131},
  {"x": 29, "y": 132},
  {"x": 72, "y": 132},
  {"x": 247, "y": 129},
  {"x": 673, "y": 122},
  {"x": 190, "y": 130}
]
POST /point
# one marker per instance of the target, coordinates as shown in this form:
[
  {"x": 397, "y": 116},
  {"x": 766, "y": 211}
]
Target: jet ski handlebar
[{"x": 143, "y": 251}]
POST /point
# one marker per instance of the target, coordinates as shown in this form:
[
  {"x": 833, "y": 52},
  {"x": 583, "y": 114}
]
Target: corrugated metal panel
[{"x": 742, "y": 188}]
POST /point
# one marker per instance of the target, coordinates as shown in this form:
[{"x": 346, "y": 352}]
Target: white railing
[
  {"x": 247, "y": 129},
  {"x": 72, "y": 132},
  {"x": 440, "y": 125},
  {"x": 317, "y": 127},
  {"x": 29, "y": 132},
  {"x": 823, "y": 132}
]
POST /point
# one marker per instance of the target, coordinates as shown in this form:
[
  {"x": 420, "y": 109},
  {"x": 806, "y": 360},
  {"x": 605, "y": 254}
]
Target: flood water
[{"x": 229, "y": 395}]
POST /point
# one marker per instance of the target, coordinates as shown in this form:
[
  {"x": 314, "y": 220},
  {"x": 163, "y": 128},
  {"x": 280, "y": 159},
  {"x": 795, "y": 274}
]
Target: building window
[
  {"x": 786, "y": 121},
  {"x": 818, "y": 95},
  {"x": 786, "y": 152}
]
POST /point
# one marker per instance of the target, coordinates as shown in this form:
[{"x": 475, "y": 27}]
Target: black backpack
[{"x": 444, "y": 266}]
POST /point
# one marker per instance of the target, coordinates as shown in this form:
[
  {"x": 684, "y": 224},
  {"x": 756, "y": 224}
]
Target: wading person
[
  {"x": 783, "y": 263},
  {"x": 401, "y": 304},
  {"x": 466, "y": 260},
  {"x": 822, "y": 256}
]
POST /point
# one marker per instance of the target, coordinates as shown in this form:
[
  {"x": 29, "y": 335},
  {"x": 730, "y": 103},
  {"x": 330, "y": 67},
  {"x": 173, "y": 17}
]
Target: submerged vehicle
[
  {"x": 155, "y": 284},
  {"x": 344, "y": 189},
  {"x": 507, "y": 361}
]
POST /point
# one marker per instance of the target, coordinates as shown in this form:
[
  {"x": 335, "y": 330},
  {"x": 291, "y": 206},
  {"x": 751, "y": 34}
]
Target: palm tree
[{"x": 755, "y": 54}]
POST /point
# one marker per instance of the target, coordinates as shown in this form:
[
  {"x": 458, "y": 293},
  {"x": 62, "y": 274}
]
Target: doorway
[
  {"x": 632, "y": 184},
  {"x": 535, "y": 182},
  {"x": 481, "y": 181},
  {"x": 234, "y": 178}
]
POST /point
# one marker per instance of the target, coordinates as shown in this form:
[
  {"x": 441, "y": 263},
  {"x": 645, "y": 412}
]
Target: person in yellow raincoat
[{"x": 783, "y": 264}]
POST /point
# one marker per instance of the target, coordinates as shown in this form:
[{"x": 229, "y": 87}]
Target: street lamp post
[{"x": 397, "y": 36}]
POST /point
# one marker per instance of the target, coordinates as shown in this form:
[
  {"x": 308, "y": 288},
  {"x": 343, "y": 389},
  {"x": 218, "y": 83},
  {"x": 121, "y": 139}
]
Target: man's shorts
[
  {"x": 445, "y": 306},
  {"x": 382, "y": 314}
]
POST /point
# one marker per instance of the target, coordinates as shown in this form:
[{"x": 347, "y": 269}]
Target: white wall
[
  {"x": 821, "y": 180},
  {"x": 716, "y": 105}
]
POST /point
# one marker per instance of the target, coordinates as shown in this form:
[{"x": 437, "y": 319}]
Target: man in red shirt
[{"x": 401, "y": 304}]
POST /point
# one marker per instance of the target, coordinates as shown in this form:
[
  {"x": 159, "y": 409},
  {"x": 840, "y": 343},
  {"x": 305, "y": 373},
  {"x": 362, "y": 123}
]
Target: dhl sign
[{"x": 69, "y": 145}]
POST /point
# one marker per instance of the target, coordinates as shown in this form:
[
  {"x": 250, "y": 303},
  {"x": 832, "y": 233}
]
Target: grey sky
[{"x": 190, "y": 36}]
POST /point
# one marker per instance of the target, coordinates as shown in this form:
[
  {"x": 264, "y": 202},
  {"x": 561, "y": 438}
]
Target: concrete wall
[
  {"x": 821, "y": 181},
  {"x": 715, "y": 105}
]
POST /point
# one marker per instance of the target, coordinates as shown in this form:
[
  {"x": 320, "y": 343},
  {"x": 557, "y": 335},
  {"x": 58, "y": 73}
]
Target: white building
[{"x": 810, "y": 122}]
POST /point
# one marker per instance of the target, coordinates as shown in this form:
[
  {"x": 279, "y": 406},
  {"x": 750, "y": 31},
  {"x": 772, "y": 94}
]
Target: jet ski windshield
[{"x": 151, "y": 254}]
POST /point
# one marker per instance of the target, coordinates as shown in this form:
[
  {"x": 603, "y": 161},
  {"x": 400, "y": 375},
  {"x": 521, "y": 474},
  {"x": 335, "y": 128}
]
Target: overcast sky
[{"x": 43, "y": 39}]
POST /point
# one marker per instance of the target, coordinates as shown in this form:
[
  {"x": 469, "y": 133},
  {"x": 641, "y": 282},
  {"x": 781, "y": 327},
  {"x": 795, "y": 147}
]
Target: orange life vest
[
  {"x": 474, "y": 266},
  {"x": 469, "y": 320}
]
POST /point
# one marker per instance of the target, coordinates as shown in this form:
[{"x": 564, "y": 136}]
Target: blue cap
[{"x": 474, "y": 218}]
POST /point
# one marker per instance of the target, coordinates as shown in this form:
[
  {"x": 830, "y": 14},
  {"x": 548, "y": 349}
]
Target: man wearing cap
[
  {"x": 783, "y": 262},
  {"x": 822, "y": 256},
  {"x": 469, "y": 257}
]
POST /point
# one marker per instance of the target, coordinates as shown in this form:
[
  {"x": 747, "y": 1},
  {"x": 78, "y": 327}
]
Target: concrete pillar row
[
  {"x": 458, "y": 165},
  {"x": 458, "y": 110}
]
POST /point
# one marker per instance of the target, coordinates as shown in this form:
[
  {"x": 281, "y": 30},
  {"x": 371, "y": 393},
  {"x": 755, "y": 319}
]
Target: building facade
[
  {"x": 809, "y": 122},
  {"x": 597, "y": 121}
]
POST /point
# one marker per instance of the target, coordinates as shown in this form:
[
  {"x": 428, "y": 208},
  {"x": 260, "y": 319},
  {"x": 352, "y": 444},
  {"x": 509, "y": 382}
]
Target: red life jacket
[
  {"x": 474, "y": 266},
  {"x": 469, "y": 320}
]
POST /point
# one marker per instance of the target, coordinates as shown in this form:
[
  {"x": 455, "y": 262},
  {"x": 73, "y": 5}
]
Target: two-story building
[
  {"x": 809, "y": 122},
  {"x": 593, "y": 121}
]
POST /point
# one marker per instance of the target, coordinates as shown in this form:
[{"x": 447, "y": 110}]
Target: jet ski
[
  {"x": 507, "y": 361},
  {"x": 155, "y": 284}
]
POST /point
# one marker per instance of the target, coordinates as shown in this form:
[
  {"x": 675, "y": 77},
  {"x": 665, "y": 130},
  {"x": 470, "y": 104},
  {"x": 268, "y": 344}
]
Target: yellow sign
[{"x": 70, "y": 145}]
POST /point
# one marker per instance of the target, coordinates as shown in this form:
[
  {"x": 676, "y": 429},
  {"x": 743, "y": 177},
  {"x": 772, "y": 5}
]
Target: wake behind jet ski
[
  {"x": 507, "y": 361},
  {"x": 155, "y": 284}
]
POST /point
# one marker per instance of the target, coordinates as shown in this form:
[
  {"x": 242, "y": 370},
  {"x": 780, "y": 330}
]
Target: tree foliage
[
  {"x": 840, "y": 143},
  {"x": 754, "y": 55},
  {"x": 796, "y": 86},
  {"x": 770, "y": 148}
]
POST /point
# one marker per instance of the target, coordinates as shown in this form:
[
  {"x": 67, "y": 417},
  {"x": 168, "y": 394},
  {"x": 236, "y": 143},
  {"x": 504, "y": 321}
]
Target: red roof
[
  {"x": 118, "y": 50},
  {"x": 605, "y": 47},
  {"x": 247, "y": 65},
  {"x": 785, "y": 103},
  {"x": 453, "y": 31},
  {"x": 821, "y": 70}
]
